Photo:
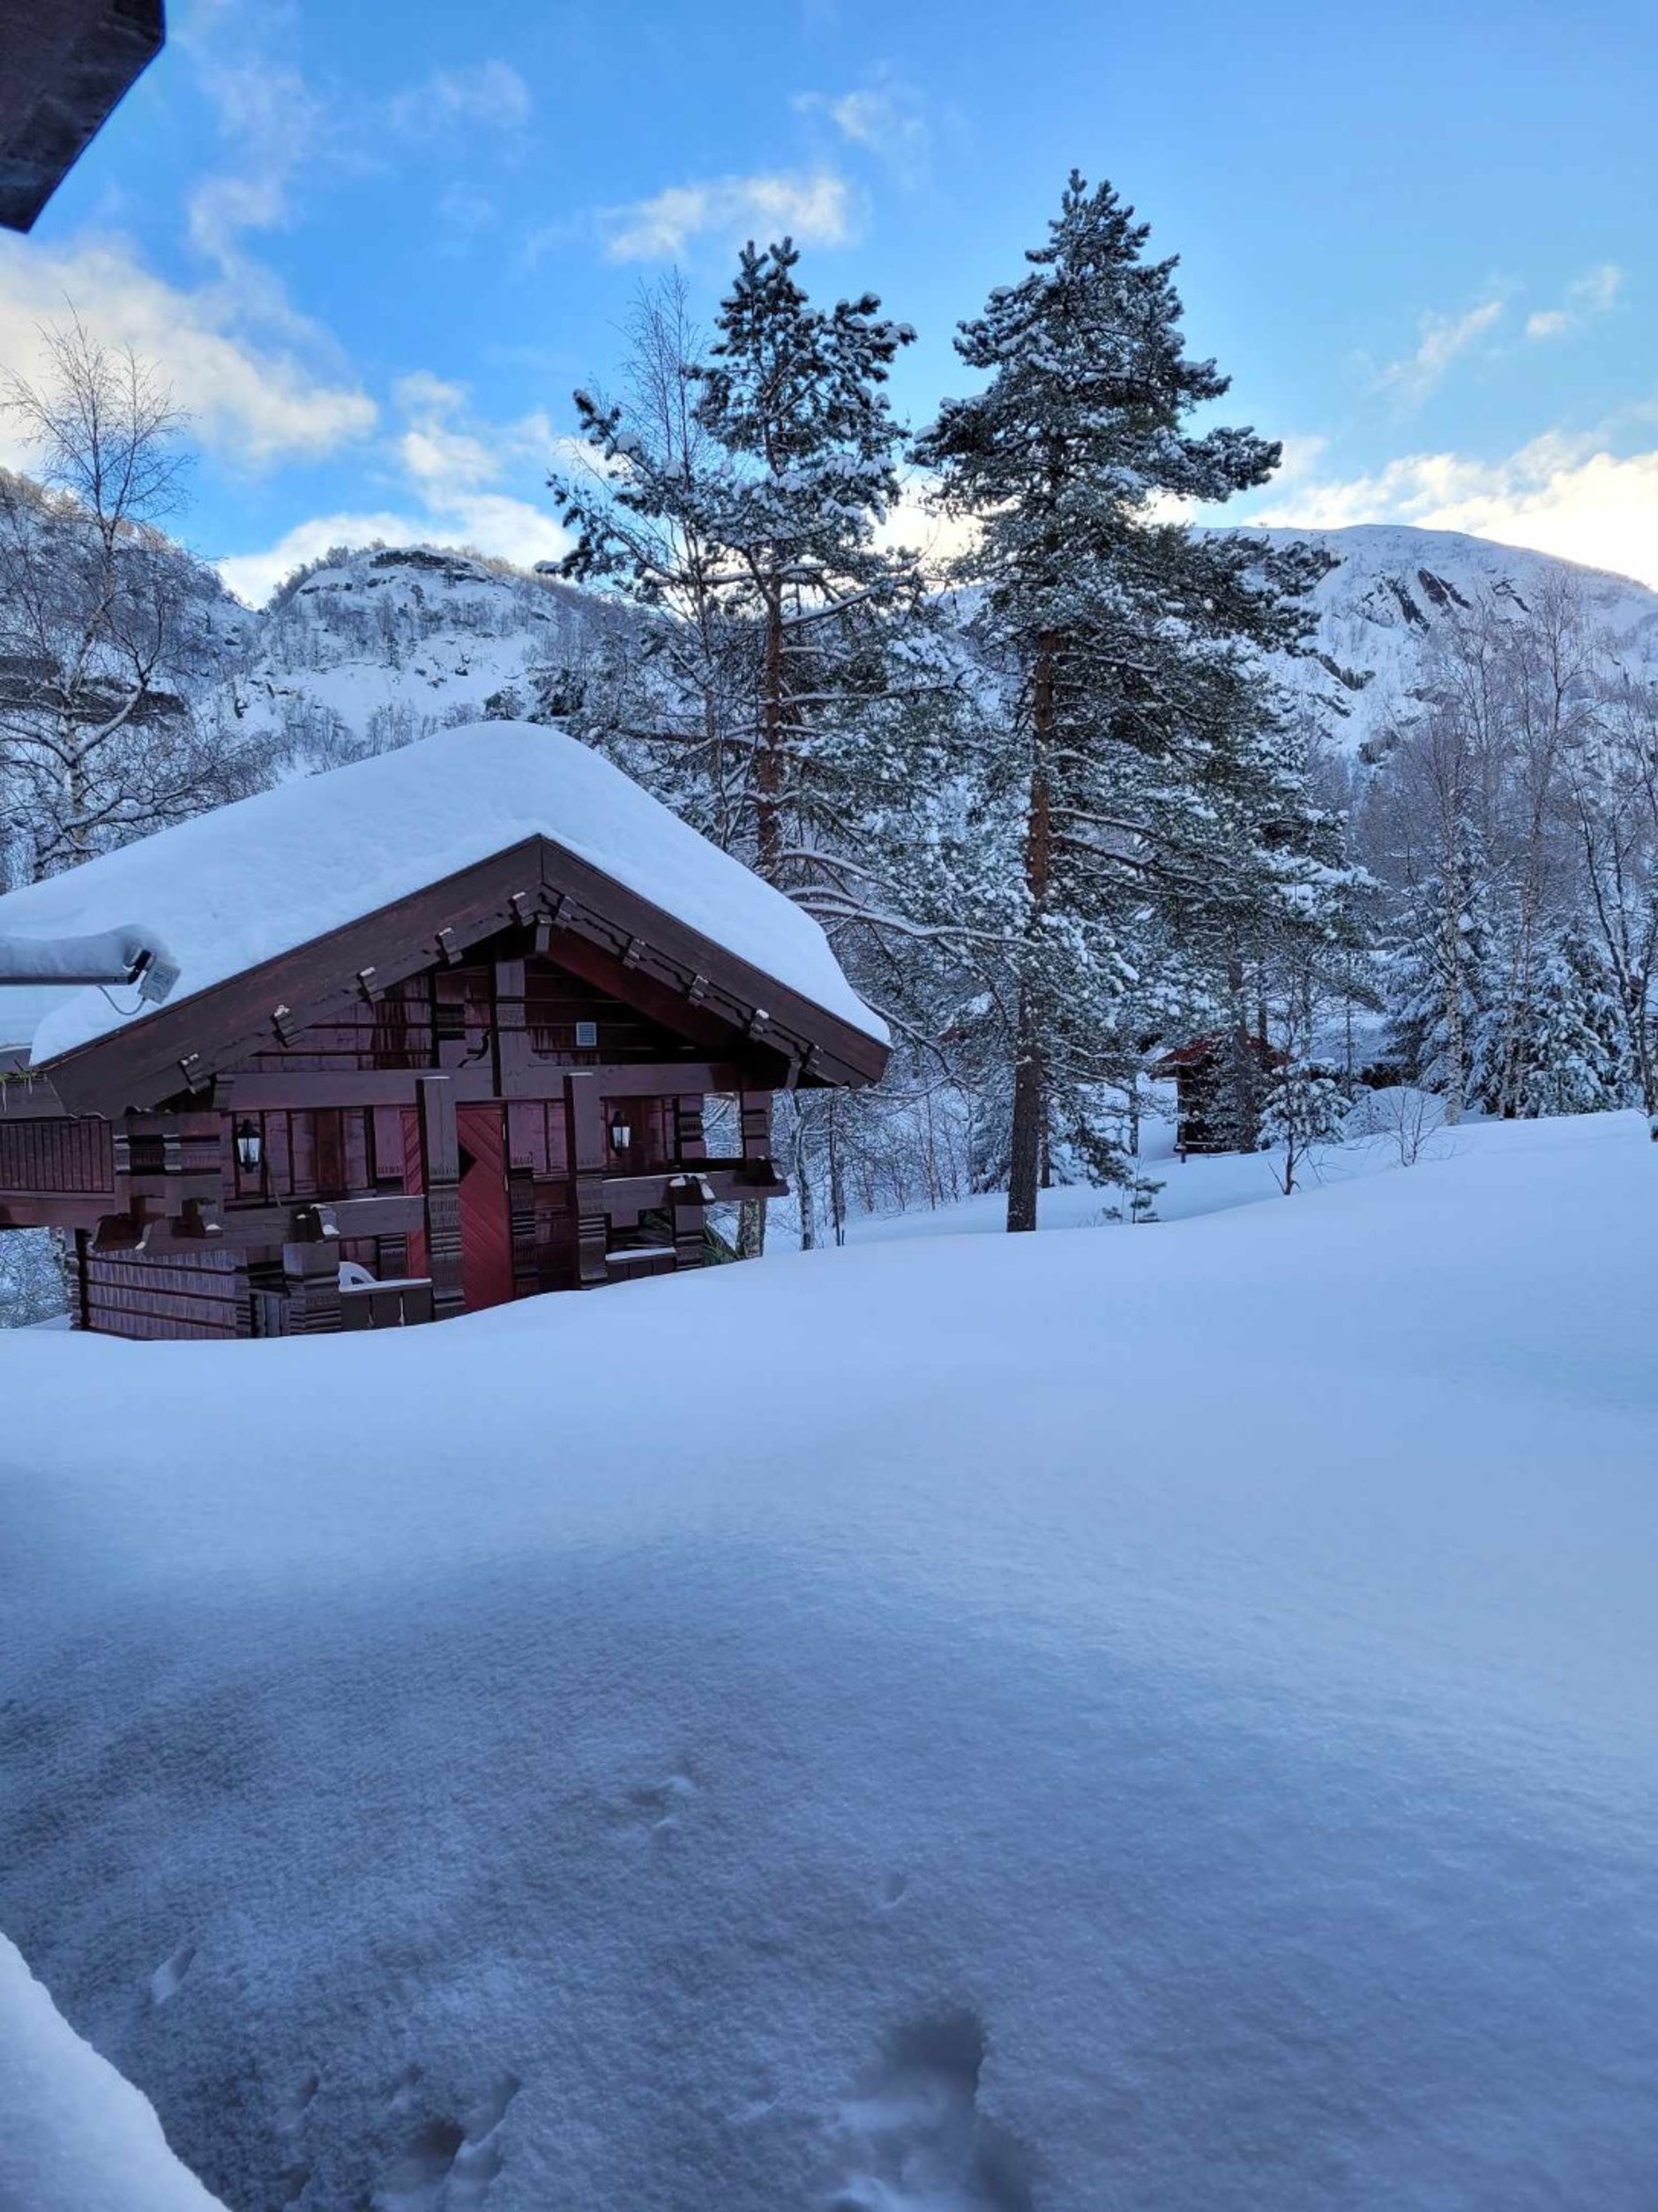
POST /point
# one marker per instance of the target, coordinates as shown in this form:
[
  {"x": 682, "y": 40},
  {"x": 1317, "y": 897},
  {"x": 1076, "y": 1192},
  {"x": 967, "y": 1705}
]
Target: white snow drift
[
  {"x": 74, "y": 2137},
  {"x": 1137, "y": 1719}
]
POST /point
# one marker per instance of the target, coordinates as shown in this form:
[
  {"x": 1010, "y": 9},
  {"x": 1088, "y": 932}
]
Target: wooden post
[
  {"x": 511, "y": 1034},
  {"x": 755, "y": 1116},
  {"x": 585, "y": 1109},
  {"x": 311, "y": 1278},
  {"x": 440, "y": 1174},
  {"x": 74, "y": 1247},
  {"x": 520, "y": 1199},
  {"x": 690, "y": 1216}
]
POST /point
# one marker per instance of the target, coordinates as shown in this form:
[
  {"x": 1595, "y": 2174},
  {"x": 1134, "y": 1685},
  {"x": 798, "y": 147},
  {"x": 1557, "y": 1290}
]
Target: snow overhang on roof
[{"x": 250, "y": 882}]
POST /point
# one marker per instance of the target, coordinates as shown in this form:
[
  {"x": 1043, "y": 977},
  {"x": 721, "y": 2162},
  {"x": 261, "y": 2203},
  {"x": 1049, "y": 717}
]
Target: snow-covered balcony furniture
[{"x": 450, "y": 1015}]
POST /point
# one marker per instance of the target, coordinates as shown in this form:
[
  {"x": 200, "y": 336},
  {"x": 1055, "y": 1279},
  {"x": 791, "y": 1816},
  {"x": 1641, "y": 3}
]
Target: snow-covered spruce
[{"x": 1140, "y": 781}]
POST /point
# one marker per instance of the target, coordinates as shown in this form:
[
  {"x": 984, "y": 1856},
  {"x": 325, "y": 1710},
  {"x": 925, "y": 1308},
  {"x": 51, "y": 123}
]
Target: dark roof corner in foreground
[{"x": 64, "y": 66}]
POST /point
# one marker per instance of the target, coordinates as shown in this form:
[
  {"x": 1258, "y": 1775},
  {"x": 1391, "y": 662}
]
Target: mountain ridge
[{"x": 370, "y": 647}]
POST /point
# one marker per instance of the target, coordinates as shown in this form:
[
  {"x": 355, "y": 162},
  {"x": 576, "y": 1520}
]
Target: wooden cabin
[
  {"x": 1204, "y": 1074},
  {"x": 446, "y": 1029},
  {"x": 64, "y": 64}
]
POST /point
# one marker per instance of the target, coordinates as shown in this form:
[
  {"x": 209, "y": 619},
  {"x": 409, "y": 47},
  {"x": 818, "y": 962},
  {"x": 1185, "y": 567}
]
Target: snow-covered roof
[{"x": 249, "y": 882}]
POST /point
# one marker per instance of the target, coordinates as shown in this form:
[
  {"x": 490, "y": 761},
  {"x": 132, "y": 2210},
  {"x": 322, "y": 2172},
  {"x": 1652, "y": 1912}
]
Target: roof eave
[{"x": 184, "y": 1044}]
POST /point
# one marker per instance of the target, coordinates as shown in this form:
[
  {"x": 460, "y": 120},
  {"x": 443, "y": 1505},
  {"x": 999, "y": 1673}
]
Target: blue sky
[{"x": 374, "y": 247}]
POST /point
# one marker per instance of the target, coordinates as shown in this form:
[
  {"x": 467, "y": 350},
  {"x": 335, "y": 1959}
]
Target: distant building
[
  {"x": 64, "y": 64},
  {"x": 1211, "y": 1114},
  {"x": 443, "y": 1032}
]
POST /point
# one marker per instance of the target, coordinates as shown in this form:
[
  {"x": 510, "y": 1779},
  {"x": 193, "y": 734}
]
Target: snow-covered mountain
[
  {"x": 373, "y": 647},
  {"x": 1395, "y": 586}
]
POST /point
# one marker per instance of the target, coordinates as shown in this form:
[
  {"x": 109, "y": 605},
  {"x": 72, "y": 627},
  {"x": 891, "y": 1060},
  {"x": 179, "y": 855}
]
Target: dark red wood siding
[{"x": 55, "y": 1155}]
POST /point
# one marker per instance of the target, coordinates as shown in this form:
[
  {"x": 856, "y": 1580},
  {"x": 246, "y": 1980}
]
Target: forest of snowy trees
[
  {"x": 1069, "y": 811},
  {"x": 1076, "y": 795}
]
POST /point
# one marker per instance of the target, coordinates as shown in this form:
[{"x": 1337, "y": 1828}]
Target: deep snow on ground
[
  {"x": 1188, "y": 1187},
  {"x": 1160, "y": 1719},
  {"x": 74, "y": 2133}
]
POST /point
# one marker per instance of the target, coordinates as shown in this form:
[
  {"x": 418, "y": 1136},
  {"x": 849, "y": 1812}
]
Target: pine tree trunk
[
  {"x": 837, "y": 1172},
  {"x": 1025, "y": 1162},
  {"x": 805, "y": 1194},
  {"x": 1025, "y": 1149},
  {"x": 1245, "y": 1102},
  {"x": 768, "y": 767},
  {"x": 768, "y": 840}
]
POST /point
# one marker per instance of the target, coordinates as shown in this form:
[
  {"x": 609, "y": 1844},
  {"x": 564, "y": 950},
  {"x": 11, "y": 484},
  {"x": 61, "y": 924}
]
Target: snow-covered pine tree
[
  {"x": 797, "y": 699},
  {"x": 1571, "y": 1048},
  {"x": 1444, "y": 1031},
  {"x": 1136, "y": 759},
  {"x": 1304, "y": 1107}
]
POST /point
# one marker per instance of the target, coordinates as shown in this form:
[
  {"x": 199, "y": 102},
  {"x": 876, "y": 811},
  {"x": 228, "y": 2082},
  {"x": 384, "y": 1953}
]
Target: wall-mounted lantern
[
  {"x": 621, "y": 1130},
  {"x": 249, "y": 1147}
]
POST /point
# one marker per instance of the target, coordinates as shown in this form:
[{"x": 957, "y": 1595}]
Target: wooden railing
[{"x": 385, "y": 1305}]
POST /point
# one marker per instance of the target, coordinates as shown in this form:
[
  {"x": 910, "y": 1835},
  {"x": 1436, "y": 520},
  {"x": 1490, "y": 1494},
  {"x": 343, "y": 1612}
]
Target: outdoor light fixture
[
  {"x": 249, "y": 1147},
  {"x": 620, "y": 1132}
]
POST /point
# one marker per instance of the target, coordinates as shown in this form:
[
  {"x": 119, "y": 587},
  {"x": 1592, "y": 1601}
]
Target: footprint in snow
[
  {"x": 667, "y": 1801},
  {"x": 915, "y": 2137},
  {"x": 444, "y": 2164},
  {"x": 167, "y": 1978}
]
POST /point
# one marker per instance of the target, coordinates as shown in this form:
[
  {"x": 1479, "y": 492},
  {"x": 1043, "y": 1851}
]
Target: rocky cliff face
[{"x": 1395, "y": 588}]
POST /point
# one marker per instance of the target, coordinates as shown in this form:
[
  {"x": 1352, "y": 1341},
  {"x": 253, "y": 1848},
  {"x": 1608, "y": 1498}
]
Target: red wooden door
[{"x": 486, "y": 1223}]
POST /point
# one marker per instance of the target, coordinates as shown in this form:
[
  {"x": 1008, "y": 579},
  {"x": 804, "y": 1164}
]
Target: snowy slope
[
  {"x": 75, "y": 2138},
  {"x": 232, "y": 888},
  {"x": 1155, "y": 1720},
  {"x": 1395, "y": 586},
  {"x": 383, "y": 644}
]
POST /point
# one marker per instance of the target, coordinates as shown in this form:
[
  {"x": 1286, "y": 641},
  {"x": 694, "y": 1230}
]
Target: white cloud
[
  {"x": 919, "y": 526},
  {"x": 463, "y": 212},
  {"x": 252, "y": 399},
  {"x": 1592, "y": 293},
  {"x": 271, "y": 123},
  {"x": 884, "y": 120},
  {"x": 449, "y": 466},
  {"x": 490, "y": 92},
  {"x": 813, "y": 208},
  {"x": 1559, "y": 494},
  {"x": 253, "y": 577},
  {"x": 1444, "y": 339}
]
